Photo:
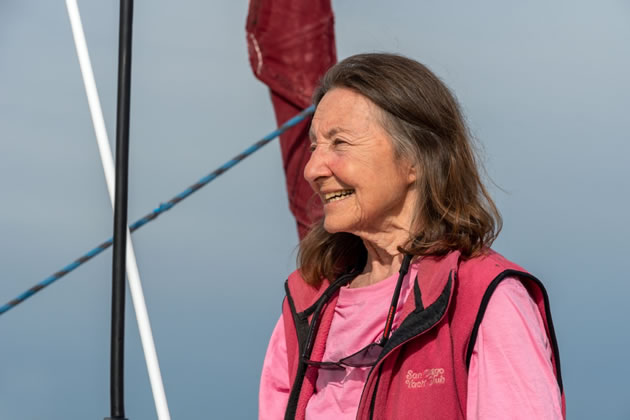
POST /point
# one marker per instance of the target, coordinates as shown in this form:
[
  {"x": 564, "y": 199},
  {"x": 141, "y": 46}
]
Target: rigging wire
[{"x": 163, "y": 207}]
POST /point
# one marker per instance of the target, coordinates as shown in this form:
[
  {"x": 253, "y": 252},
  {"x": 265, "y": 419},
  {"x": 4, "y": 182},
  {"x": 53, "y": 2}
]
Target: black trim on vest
[
  {"x": 417, "y": 295},
  {"x": 295, "y": 392},
  {"x": 341, "y": 281},
  {"x": 302, "y": 327},
  {"x": 484, "y": 305},
  {"x": 420, "y": 319},
  {"x": 373, "y": 402},
  {"x": 301, "y": 323}
]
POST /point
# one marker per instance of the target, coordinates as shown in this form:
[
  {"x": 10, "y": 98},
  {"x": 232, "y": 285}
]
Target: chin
[
  {"x": 336, "y": 225},
  {"x": 331, "y": 228}
]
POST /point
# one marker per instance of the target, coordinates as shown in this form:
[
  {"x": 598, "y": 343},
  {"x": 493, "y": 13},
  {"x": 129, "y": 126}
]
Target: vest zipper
[{"x": 379, "y": 363}]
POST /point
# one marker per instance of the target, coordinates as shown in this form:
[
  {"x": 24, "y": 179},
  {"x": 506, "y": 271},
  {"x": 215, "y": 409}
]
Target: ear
[{"x": 412, "y": 173}]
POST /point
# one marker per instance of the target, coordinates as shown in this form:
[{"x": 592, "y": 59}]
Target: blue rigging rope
[{"x": 160, "y": 209}]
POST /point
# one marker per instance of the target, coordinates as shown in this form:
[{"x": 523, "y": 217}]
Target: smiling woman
[
  {"x": 391, "y": 122},
  {"x": 354, "y": 170},
  {"x": 400, "y": 308}
]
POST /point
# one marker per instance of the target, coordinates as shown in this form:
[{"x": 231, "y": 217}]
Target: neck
[
  {"x": 382, "y": 243},
  {"x": 383, "y": 258}
]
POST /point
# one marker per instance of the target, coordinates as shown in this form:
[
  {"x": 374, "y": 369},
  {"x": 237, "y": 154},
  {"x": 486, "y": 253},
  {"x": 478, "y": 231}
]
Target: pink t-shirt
[{"x": 510, "y": 375}]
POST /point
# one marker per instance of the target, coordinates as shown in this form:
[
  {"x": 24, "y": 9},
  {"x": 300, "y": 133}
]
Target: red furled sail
[{"x": 291, "y": 45}]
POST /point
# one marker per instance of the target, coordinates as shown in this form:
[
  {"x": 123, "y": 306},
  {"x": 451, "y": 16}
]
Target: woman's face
[{"x": 353, "y": 169}]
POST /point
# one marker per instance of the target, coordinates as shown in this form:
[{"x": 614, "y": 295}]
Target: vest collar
[
  {"x": 424, "y": 310},
  {"x": 432, "y": 278}
]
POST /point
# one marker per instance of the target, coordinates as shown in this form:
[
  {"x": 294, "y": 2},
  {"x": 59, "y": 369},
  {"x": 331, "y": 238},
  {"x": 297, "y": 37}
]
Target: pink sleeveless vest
[{"x": 423, "y": 370}]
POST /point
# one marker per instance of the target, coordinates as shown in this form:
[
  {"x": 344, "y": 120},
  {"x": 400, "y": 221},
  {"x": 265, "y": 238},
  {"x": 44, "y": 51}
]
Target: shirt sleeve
[
  {"x": 511, "y": 372},
  {"x": 274, "y": 390}
]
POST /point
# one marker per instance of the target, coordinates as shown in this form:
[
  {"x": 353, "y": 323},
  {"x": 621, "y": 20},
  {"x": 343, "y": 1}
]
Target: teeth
[{"x": 337, "y": 195}]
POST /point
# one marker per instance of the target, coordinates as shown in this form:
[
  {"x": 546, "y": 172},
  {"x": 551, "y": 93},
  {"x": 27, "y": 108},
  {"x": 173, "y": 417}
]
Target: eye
[
  {"x": 312, "y": 147},
  {"x": 338, "y": 142}
]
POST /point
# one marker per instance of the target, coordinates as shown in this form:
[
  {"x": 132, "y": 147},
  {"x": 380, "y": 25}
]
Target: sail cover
[{"x": 291, "y": 44}]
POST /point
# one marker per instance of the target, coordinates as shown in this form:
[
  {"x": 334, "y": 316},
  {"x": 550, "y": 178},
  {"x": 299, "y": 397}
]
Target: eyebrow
[{"x": 328, "y": 134}]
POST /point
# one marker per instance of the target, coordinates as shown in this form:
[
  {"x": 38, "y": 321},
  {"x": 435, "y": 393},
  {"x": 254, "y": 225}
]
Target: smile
[{"x": 337, "y": 195}]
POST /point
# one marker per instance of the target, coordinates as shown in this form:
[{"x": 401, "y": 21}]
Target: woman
[{"x": 399, "y": 308}]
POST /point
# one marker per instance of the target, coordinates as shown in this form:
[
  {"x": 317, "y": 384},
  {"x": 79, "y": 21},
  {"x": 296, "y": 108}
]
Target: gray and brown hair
[{"x": 423, "y": 119}]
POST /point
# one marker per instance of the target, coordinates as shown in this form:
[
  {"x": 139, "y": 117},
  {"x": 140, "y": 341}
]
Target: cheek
[{"x": 350, "y": 170}]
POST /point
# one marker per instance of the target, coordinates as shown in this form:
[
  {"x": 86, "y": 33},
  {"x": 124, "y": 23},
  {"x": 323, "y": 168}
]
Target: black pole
[{"x": 120, "y": 213}]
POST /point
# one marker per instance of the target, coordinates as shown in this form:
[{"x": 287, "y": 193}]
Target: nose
[{"x": 317, "y": 167}]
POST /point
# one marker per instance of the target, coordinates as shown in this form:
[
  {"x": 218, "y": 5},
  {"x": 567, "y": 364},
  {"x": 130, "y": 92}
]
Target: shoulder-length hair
[{"x": 454, "y": 210}]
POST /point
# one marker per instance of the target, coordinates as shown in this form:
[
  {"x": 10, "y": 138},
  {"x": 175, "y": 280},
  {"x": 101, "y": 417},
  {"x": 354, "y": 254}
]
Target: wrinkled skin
[{"x": 352, "y": 152}]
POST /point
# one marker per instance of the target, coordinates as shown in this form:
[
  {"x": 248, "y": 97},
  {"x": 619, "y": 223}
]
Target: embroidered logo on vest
[{"x": 427, "y": 377}]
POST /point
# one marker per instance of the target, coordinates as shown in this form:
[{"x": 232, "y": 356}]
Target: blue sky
[{"x": 545, "y": 91}]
